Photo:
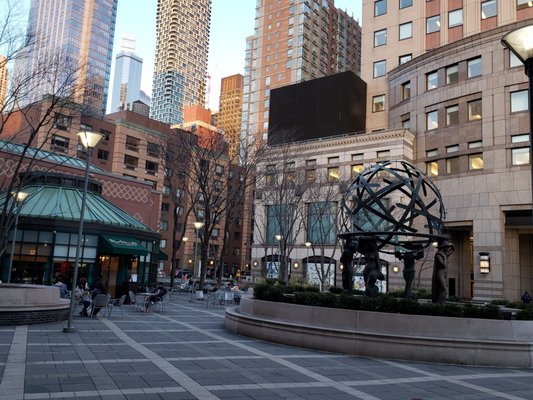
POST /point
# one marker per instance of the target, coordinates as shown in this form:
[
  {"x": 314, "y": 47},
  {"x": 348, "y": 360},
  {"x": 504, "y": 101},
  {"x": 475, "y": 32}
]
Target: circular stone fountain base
[{"x": 31, "y": 304}]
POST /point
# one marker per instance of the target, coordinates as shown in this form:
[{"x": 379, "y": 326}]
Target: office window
[
  {"x": 380, "y": 38},
  {"x": 378, "y": 103},
  {"x": 163, "y": 225},
  {"x": 488, "y": 9},
  {"x": 310, "y": 162},
  {"x": 454, "y": 148},
  {"x": 333, "y": 160},
  {"x": 405, "y": 3},
  {"x": 267, "y": 80},
  {"x": 406, "y": 90},
  {"x": 102, "y": 154},
  {"x": 452, "y": 115},
  {"x": 433, "y": 24},
  {"x": 475, "y": 161},
  {"x": 452, "y": 165},
  {"x": 519, "y": 101},
  {"x": 357, "y": 169},
  {"x": 432, "y": 120},
  {"x": 452, "y": 74},
  {"x": 358, "y": 157},
  {"x": 474, "y": 67},
  {"x": 455, "y": 18},
  {"x": 133, "y": 143},
  {"x": 130, "y": 162},
  {"x": 380, "y": 68},
  {"x": 432, "y": 80},
  {"x": 383, "y": 154},
  {"x": 520, "y": 156},
  {"x": 380, "y": 7},
  {"x": 474, "y": 110},
  {"x": 152, "y": 149},
  {"x": 151, "y": 167},
  {"x": 432, "y": 168},
  {"x": 514, "y": 61},
  {"x": 475, "y": 145},
  {"x": 333, "y": 174},
  {"x": 406, "y": 121},
  {"x": 59, "y": 143},
  {"x": 520, "y": 138},
  {"x": 406, "y": 30},
  {"x": 310, "y": 175},
  {"x": 432, "y": 153},
  {"x": 521, "y": 4},
  {"x": 406, "y": 57}
]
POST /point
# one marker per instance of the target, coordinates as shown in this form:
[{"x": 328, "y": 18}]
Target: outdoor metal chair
[
  {"x": 116, "y": 304},
  {"x": 100, "y": 301}
]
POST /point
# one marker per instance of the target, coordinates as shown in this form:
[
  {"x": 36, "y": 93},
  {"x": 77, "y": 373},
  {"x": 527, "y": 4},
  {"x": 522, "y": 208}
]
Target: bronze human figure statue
[
  {"x": 372, "y": 271},
  {"x": 439, "y": 282},
  {"x": 347, "y": 260},
  {"x": 409, "y": 259}
]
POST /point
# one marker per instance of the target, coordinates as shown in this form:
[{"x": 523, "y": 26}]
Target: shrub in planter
[
  {"x": 307, "y": 298},
  {"x": 349, "y": 302},
  {"x": 407, "y": 306},
  {"x": 525, "y": 313},
  {"x": 268, "y": 292},
  {"x": 336, "y": 290}
]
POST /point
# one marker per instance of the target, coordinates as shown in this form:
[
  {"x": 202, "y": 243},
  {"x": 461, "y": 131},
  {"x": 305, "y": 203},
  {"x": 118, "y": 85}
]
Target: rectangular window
[
  {"x": 404, "y": 58},
  {"x": 380, "y": 38},
  {"x": 405, "y": 3},
  {"x": 519, "y": 101},
  {"x": 452, "y": 115},
  {"x": 333, "y": 174},
  {"x": 152, "y": 149},
  {"x": 406, "y": 123},
  {"x": 358, "y": 157},
  {"x": 455, "y": 18},
  {"x": 474, "y": 67},
  {"x": 406, "y": 90},
  {"x": 474, "y": 110},
  {"x": 406, "y": 30},
  {"x": 452, "y": 165},
  {"x": 432, "y": 168},
  {"x": 454, "y": 148},
  {"x": 488, "y": 9},
  {"x": 378, "y": 103},
  {"x": 432, "y": 80},
  {"x": 380, "y": 7},
  {"x": 475, "y": 145},
  {"x": 432, "y": 120},
  {"x": 432, "y": 153},
  {"x": 357, "y": 169},
  {"x": 151, "y": 167},
  {"x": 380, "y": 68},
  {"x": 62, "y": 121},
  {"x": 279, "y": 221},
  {"x": 310, "y": 175},
  {"x": 163, "y": 226},
  {"x": 333, "y": 160},
  {"x": 59, "y": 143},
  {"x": 520, "y": 155},
  {"x": 132, "y": 143},
  {"x": 475, "y": 161},
  {"x": 521, "y": 4},
  {"x": 452, "y": 74},
  {"x": 433, "y": 24},
  {"x": 310, "y": 162},
  {"x": 520, "y": 138},
  {"x": 130, "y": 162},
  {"x": 514, "y": 61},
  {"x": 102, "y": 154},
  {"x": 321, "y": 222},
  {"x": 383, "y": 154}
]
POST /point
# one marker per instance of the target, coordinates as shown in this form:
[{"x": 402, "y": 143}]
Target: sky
[{"x": 231, "y": 22}]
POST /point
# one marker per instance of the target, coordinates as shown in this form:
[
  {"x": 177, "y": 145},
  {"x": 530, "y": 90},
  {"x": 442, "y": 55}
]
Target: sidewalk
[{"x": 185, "y": 353}]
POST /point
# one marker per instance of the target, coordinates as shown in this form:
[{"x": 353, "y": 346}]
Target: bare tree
[
  {"x": 31, "y": 126},
  {"x": 281, "y": 190}
]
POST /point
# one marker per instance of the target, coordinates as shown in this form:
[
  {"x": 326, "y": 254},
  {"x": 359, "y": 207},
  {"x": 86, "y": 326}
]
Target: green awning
[
  {"x": 163, "y": 256},
  {"x": 122, "y": 245}
]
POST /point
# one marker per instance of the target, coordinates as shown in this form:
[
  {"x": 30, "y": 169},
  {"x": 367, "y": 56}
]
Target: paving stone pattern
[{"x": 185, "y": 353}]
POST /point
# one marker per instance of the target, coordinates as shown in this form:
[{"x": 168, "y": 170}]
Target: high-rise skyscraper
[
  {"x": 127, "y": 79},
  {"x": 180, "y": 70},
  {"x": 230, "y": 111},
  {"x": 71, "y": 40},
  {"x": 294, "y": 42}
]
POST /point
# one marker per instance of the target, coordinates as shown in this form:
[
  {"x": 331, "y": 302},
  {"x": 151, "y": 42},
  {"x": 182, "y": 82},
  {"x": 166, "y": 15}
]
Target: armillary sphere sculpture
[{"x": 394, "y": 208}]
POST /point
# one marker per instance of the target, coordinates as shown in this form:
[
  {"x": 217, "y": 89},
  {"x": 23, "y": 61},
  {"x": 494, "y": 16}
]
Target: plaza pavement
[{"x": 185, "y": 353}]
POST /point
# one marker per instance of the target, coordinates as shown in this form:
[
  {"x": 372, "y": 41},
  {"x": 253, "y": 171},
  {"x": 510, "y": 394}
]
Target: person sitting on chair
[
  {"x": 98, "y": 289},
  {"x": 157, "y": 295},
  {"x": 61, "y": 286}
]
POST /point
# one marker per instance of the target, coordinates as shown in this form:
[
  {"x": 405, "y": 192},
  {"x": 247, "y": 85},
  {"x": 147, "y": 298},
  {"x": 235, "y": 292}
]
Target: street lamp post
[
  {"x": 197, "y": 227},
  {"x": 19, "y": 199},
  {"x": 278, "y": 238},
  {"x": 184, "y": 241},
  {"x": 89, "y": 140},
  {"x": 520, "y": 42},
  {"x": 307, "y": 245}
]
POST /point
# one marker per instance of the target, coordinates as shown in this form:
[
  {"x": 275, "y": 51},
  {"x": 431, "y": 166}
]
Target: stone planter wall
[
  {"x": 31, "y": 304},
  {"x": 407, "y": 337}
]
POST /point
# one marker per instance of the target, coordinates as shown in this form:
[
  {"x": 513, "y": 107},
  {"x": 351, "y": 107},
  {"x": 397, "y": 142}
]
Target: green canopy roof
[
  {"x": 65, "y": 203},
  {"x": 122, "y": 245}
]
